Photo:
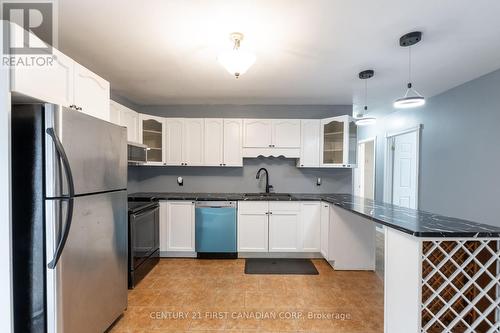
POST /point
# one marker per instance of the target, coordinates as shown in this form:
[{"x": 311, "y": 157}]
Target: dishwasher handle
[{"x": 215, "y": 204}]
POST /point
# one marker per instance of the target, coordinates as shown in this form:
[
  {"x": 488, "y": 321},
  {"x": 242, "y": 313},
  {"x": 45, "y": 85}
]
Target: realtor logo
[{"x": 34, "y": 17}]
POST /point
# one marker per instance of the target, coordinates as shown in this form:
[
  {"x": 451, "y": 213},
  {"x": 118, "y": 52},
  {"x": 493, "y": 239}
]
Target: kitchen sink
[{"x": 268, "y": 196}]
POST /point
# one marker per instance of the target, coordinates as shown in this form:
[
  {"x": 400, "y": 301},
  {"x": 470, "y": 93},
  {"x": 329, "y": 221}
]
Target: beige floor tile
[{"x": 199, "y": 288}]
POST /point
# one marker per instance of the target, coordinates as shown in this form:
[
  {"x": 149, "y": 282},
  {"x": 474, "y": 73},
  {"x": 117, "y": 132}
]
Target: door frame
[
  {"x": 389, "y": 163},
  {"x": 356, "y": 171}
]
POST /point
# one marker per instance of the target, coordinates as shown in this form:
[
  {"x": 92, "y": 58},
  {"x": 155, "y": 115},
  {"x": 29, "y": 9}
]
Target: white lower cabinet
[
  {"x": 310, "y": 213},
  {"x": 253, "y": 226},
  {"x": 284, "y": 226},
  {"x": 177, "y": 226},
  {"x": 325, "y": 229},
  {"x": 279, "y": 226}
]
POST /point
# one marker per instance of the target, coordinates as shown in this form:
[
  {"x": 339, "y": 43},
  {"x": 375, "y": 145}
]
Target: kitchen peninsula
[{"x": 430, "y": 260}]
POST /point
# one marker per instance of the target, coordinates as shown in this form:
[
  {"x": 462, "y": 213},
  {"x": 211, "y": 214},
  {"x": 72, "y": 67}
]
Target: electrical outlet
[
  {"x": 180, "y": 181},
  {"x": 318, "y": 181}
]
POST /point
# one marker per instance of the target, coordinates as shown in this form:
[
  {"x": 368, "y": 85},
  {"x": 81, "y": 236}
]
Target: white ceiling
[{"x": 159, "y": 52}]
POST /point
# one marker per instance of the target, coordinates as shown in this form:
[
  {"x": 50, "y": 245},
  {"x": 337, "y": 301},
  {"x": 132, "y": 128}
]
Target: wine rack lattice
[{"x": 460, "y": 286}]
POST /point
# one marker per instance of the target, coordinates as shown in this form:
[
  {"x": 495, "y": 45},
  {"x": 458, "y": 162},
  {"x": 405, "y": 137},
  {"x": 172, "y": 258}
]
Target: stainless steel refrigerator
[{"x": 69, "y": 232}]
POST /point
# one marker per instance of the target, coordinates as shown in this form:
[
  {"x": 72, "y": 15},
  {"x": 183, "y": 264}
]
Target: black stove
[{"x": 144, "y": 239}]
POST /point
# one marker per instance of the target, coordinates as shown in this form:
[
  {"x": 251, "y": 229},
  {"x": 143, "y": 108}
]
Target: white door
[
  {"x": 174, "y": 137},
  {"x": 193, "y": 141},
  {"x": 405, "y": 170},
  {"x": 284, "y": 227},
  {"x": 214, "y": 142},
  {"x": 91, "y": 93},
  {"x": 286, "y": 133},
  {"x": 180, "y": 226},
  {"x": 310, "y": 213},
  {"x": 257, "y": 133},
  {"x": 364, "y": 173},
  {"x": 52, "y": 85},
  {"x": 130, "y": 119},
  {"x": 283, "y": 232},
  {"x": 253, "y": 232},
  {"x": 115, "y": 112},
  {"x": 153, "y": 135},
  {"x": 163, "y": 226},
  {"x": 253, "y": 226},
  {"x": 333, "y": 139},
  {"x": 309, "y": 147},
  {"x": 325, "y": 229},
  {"x": 233, "y": 137}
]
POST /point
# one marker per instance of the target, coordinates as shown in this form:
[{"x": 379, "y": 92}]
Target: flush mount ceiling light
[
  {"x": 412, "y": 98},
  {"x": 361, "y": 119},
  {"x": 236, "y": 61}
]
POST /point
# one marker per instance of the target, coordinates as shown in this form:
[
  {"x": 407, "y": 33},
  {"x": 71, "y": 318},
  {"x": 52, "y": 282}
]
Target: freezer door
[
  {"x": 96, "y": 152},
  {"x": 87, "y": 289}
]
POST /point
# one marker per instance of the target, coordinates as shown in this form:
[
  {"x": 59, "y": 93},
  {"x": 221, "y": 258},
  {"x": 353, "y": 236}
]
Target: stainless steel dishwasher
[{"x": 216, "y": 229}]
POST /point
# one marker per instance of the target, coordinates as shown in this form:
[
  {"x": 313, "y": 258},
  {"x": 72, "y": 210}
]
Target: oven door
[{"x": 144, "y": 235}]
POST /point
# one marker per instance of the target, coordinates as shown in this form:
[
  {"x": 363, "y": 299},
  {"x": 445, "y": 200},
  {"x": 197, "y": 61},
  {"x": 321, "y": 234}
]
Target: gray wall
[
  {"x": 459, "y": 153},
  {"x": 284, "y": 175}
]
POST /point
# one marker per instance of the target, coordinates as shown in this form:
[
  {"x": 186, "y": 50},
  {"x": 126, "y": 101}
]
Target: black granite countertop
[{"x": 414, "y": 222}]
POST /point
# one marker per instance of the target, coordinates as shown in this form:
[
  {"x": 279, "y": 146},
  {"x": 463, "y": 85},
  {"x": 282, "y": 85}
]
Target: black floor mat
[{"x": 280, "y": 266}]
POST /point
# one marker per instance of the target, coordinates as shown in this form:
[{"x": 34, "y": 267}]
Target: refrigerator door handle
[{"x": 69, "y": 198}]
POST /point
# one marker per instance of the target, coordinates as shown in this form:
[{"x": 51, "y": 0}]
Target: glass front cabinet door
[
  {"x": 339, "y": 136},
  {"x": 153, "y": 136}
]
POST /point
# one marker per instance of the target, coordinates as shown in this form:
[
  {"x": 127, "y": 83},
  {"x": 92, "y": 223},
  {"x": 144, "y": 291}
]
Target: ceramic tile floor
[{"x": 216, "y": 296}]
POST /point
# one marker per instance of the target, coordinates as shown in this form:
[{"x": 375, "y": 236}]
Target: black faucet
[{"x": 268, "y": 187}]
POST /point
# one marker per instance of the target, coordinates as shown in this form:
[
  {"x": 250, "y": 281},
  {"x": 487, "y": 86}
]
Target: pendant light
[
  {"x": 361, "y": 119},
  {"x": 236, "y": 61},
  {"x": 412, "y": 98}
]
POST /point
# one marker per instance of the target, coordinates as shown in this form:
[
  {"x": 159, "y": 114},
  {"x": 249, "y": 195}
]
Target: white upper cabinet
[
  {"x": 152, "y": 130},
  {"x": 130, "y": 119},
  {"x": 65, "y": 82},
  {"x": 175, "y": 130},
  {"x": 193, "y": 141},
  {"x": 185, "y": 141},
  {"x": 51, "y": 85},
  {"x": 338, "y": 142},
  {"x": 257, "y": 133},
  {"x": 91, "y": 93},
  {"x": 233, "y": 137},
  {"x": 214, "y": 142},
  {"x": 286, "y": 133},
  {"x": 123, "y": 116},
  {"x": 115, "y": 110},
  {"x": 309, "y": 143},
  {"x": 271, "y": 133},
  {"x": 311, "y": 226}
]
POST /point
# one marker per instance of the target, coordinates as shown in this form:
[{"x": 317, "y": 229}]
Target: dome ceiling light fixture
[
  {"x": 236, "y": 61},
  {"x": 412, "y": 98},
  {"x": 361, "y": 119}
]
